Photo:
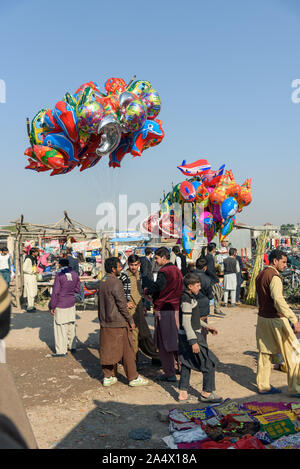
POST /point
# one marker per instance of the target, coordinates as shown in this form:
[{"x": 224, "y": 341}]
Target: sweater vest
[
  {"x": 265, "y": 301},
  {"x": 169, "y": 297}
]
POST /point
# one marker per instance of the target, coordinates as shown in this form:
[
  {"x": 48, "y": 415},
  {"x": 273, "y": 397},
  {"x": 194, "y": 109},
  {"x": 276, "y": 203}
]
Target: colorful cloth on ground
[
  {"x": 265, "y": 407},
  {"x": 264, "y": 419},
  {"x": 212, "y": 421},
  {"x": 201, "y": 414},
  {"x": 189, "y": 436},
  {"x": 175, "y": 427},
  {"x": 224, "y": 444},
  {"x": 248, "y": 442},
  {"x": 287, "y": 442},
  {"x": 229, "y": 407},
  {"x": 277, "y": 429},
  {"x": 264, "y": 437},
  {"x": 193, "y": 445},
  {"x": 177, "y": 416},
  {"x": 294, "y": 406},
  {"x": 230, "y": 427}
]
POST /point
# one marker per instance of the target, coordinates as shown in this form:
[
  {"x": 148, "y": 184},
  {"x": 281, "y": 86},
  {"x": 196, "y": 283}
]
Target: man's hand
[
  {"x": 212, "y": 330},
  {"x": 130, "y": 305},
  {"x": 196, "y": 348},
  {"x": 297, "y": 327},
  {"x": 52, "y": 311},
  {"x": 132, "y": 326},
  {"x": 147, "y": 296}
]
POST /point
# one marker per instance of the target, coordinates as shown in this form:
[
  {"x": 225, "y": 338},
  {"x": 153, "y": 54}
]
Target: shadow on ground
[{"x": 109, "y": 424}]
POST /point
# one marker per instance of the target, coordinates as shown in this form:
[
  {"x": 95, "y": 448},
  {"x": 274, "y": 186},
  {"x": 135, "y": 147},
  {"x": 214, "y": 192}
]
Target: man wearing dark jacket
[
  {"x": 201, "y": 269},
  {"x": 146, "y": 272},
  {"x": 211, "y": 272},
  {"x": 146, "y": 269},
  {"x": 73, "y": 262},
  {"x": 239, "y": 278},
  {"x": 166, "y": 293},
  {"x": 205, "y": 294},
  {"x": 116, "y": 325}
]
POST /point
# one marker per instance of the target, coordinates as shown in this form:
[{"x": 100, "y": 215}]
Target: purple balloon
[{"x": 217, "y": 213}]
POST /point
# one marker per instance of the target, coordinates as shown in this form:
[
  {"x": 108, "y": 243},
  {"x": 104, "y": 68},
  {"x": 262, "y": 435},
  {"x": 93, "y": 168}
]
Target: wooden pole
[
  {"x": 17, "y": 285},
  {"x": 116, "y": 248}
]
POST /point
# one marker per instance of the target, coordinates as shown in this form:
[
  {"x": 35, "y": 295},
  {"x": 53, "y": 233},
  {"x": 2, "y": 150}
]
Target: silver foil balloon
[
  {"x": 110, "y": 131},
  {"x": 125, "y": 98}
]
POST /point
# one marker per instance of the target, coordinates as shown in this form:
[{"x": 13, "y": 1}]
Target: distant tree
[{"x": 287, "y": 230}]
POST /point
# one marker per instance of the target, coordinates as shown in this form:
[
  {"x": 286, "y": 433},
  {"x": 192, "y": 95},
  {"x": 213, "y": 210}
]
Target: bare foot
[{"x": 183, "y": 395}]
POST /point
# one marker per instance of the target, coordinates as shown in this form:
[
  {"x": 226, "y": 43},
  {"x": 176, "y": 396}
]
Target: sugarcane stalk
[{"x": 258, "y": 265}]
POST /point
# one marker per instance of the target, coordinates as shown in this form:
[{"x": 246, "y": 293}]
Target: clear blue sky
[{"x": 223, "y": 70}]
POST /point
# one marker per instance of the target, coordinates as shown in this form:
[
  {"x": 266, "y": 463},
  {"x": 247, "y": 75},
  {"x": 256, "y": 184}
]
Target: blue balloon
[
  {"x": 196, "y": 184},
  {"x": 59, "y": 141},
  {"x": 188, "y": 239},
  {"x": 229, "y": 207},
  {"x": 227, "y": 228}
]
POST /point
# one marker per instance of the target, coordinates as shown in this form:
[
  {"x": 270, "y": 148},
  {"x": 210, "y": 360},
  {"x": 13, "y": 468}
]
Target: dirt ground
[{"x": 69, "y": 408}]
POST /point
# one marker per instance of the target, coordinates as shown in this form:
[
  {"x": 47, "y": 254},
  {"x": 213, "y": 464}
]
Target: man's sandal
[
  {"x": 213, "y": 398},
  {"x": 271, "y": 391}
]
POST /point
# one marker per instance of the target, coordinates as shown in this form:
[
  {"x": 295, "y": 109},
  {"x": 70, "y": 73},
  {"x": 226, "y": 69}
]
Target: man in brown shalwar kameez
[{"x": 116, "y": 326}]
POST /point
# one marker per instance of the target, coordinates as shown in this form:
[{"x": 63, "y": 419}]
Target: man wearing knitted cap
[{"x": 277, "y": 327}]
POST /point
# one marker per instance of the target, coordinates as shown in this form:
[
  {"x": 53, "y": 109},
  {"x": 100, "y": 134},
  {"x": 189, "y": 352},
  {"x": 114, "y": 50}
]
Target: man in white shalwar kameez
[{"x": 30, "y": 279}]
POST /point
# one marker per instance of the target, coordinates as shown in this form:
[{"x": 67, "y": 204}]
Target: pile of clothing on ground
[{"x": 230, "y": 425}]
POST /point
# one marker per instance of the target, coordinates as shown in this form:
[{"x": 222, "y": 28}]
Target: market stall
[{"x": 54, "y": 238}]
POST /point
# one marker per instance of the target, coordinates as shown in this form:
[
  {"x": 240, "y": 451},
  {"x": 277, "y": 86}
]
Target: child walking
[{"x": 194, "y": 353}]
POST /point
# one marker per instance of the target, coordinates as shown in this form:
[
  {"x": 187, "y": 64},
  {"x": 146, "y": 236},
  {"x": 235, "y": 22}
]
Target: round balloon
[
  {"x": 187, "y": 191},
  {"x": 140, "y": 87},
  {"x": 89, "y": 116},
  {"x": 218, "y": 195},
  {"x": 133, "y": 116},
  {"x": 229, "y": 207},
  {"x": 153, "y": 103},
  {"x": 115, "y": 85}
]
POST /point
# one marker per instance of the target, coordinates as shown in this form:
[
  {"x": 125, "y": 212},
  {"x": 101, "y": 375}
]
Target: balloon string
[{"x": 131, "y": 81}]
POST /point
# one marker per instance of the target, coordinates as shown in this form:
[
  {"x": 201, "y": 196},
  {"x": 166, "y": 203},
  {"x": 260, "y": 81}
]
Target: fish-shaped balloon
[{"x": 149, "y": 135}]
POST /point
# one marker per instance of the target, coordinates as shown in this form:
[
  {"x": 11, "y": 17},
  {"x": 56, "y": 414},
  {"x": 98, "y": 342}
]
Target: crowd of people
[
  {"x": 181, "y": 308},
  {"x": 179, "y": 295},
  {"x": 180, "y": 301}
]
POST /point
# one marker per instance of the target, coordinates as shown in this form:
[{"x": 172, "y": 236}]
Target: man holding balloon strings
[{"x": 212, "y": 274}]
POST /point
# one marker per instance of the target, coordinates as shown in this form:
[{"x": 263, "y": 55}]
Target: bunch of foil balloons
[
  {"x": 90, "y": 124},
  {"x": 207, "y": 198}
]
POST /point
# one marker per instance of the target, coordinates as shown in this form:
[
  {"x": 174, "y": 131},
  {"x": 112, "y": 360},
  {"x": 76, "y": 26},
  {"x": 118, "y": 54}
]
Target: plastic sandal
[
  {"x": 211, "y": 398},
  {"x": 271, "y": 391}
]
